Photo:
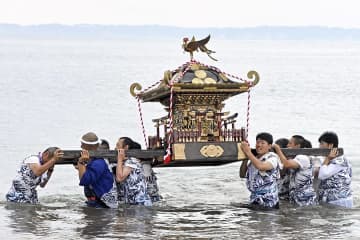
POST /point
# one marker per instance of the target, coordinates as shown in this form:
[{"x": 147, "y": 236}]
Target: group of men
[
  {"x": 129, "y": 181},
  {"x": 303, "y": 180},
  {"x": 270, "y": 176}
]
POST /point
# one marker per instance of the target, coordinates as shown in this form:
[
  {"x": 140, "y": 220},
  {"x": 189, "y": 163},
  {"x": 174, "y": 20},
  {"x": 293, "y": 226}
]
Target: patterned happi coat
[
  {"x": 23, "y": 188},
  {"x": 337, "y": 187},
  {"x": 263, "y": 184},
  {"x": 283, "y": 185},
  {"x": 301, "y": 191},
  {"x": 134, "y": 186}
]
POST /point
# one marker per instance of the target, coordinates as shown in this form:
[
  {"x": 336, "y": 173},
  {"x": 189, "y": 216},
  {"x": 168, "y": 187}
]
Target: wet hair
[
  {"x": 306, "y": 144},
  {"x": 329, "y": 138},
  {"x": 50, "y": 151},
  {"x": 129, "y": 142},
  {"x": 104, "y": 144},
  {"x": 265, "y": 136},
  {"x": 299, "y": 140},
  {"x": 282, "y": 142}
]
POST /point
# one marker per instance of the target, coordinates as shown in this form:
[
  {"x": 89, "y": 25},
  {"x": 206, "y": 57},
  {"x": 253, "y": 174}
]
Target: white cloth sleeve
[
  {"x": 316, "y": 161},
  {"x": 32, "y": 159},
  {"x": 303, "y": 161},
  {"x": 281, "y": 166},
  {"x": 327, "y": 171},
  {"x": 147, "y": 169},
  {"x": 131, "y": 162},
  {"x": 273, "y": 160}
]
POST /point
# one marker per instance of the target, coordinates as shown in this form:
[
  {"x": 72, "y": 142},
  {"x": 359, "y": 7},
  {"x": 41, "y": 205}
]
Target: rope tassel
[{"x": 167, "y": 157}]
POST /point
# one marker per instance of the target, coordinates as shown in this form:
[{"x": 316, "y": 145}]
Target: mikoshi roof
[{"x": 195, "y": 78}]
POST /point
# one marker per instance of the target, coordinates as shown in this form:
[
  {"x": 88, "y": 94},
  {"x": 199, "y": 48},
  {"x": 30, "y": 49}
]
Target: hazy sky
[{"x": 186, "y": 13}]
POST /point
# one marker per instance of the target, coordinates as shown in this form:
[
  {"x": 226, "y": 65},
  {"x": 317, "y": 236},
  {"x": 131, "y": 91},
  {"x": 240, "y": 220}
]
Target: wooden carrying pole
[
  {"x": 72, "y": 156},
  {"x": 292, "y": 152}
]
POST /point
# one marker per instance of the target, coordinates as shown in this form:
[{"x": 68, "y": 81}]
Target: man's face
[
  {"x": 120, "y": 144},
  {"x": 45, "y": 157},
  {"x": 84, "y": 146},
  {"x": 89, "y": 147},
  {"x": 262, "y": 147},
  {"x": 323, "y": 144},
  {"x": 292, "y": 144}
]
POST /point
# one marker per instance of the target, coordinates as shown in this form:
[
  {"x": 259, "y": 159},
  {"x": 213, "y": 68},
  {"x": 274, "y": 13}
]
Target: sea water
[{"x": 54, "y": 91}]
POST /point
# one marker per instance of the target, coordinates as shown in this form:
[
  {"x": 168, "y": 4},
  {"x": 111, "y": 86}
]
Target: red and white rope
[
  {"x": 186, "y": 66},
  {"x": 248, "y": 98},
  {"x": 148, "y": 88},
  {"x": 158, "y": 82},
  {"x": 219, "y": 71},
  {"x": 142, "y": 122},
  {"x": 139, "y": 102},
  {"x": 248, "y": 115},
  {"x": 171, "y": 103}
]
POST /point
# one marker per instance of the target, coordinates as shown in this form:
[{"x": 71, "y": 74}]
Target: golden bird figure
[{"x": 194, "y": 45}]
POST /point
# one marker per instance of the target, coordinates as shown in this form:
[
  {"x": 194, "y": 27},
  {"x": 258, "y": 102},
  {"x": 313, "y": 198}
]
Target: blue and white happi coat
[
  {"x": 23, "y": 188},
  {"x": 151, "y": 182},
  {"x": 134, "y": 186},
  {"x": 301, "y": 191},
  {"x": 263, "y": 184},
  {"x": 152, "y": 187},
  {"x": 283, "y": 185},
  {"x": 336, "y": 189}
]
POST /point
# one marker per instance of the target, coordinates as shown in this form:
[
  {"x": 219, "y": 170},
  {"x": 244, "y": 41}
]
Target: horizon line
[{"x": 180, "y": 27}]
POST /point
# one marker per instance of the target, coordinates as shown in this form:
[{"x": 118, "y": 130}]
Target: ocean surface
[{"x": 54, "y": 91}]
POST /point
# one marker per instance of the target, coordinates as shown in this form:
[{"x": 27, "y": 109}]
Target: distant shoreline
[{"x": 89, "y": 31}]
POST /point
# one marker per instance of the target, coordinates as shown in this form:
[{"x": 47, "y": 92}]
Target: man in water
[
  {"x": 335, "y": 174},
  {"x": 284, "y": 180},
  {"x": 95, "y": 176},
  {"x": 262, "y": 172},
  {"x": 301, "y": 191},
  {"x": 35, "y": 170}
]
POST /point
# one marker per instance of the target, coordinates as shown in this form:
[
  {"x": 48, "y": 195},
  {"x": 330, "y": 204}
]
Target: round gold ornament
[
  {"x": 209, "y": 80},
  {"x": 200, "y": 74},
  {"x": 197, "y": 81}
]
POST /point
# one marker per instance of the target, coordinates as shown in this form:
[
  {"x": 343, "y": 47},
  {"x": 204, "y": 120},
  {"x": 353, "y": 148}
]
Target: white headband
[{"x": 90, "y": 143}]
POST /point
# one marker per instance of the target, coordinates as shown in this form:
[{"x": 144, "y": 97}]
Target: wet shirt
[
  {"x": 99, "y": 179},
  {"x": 263, "y": 184},
  {"x": 23, "y": 188},
  {"x": 151, "y": 182},
  {"x": 283, "y": 185},
  {"x": 335, "y": 185},
  {"x": 301, "y": 191},
  {"x": 316, "y": 162},
  {"x": 119, "y": 185},
  {"x": 134, "y": 186}
]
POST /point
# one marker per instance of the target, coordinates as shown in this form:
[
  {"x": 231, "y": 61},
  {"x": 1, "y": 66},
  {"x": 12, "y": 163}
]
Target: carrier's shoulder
[
  {"x": 270, "y": 155},
  {"x": 31, "y": 159}
]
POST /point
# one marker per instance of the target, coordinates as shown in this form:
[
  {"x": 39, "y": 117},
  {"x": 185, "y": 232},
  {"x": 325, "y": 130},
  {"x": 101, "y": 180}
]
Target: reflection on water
[
  {"x": 26, "y": 218},
  {"x": 287, "y": 223},
  {"x": 84, "y": 222},
  {"x": 130, "y": 220},
  {"x": 199, "y": 221},
  {"x": 95, "y": 222}
]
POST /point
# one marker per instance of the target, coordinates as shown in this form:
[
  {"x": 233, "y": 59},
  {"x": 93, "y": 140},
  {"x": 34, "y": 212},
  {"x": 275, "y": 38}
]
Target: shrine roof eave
[{"x": 158, "y": 94}]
